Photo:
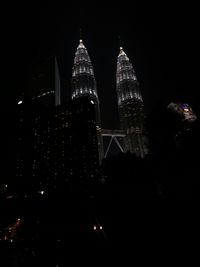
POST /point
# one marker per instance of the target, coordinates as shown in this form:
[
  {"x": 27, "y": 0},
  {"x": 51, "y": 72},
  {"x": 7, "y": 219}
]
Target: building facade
[
  {"x": 32, "y": 147},
  {"x": 55, "y": 147}
]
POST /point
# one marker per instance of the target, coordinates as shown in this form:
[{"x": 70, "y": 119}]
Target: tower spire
[{"x": 120, "y": 41}]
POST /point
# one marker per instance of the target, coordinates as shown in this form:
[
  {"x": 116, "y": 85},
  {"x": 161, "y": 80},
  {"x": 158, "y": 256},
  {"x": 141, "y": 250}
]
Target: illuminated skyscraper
[
  {"x": 130, "y": 105},
  {"x": 84, "y": 85}
]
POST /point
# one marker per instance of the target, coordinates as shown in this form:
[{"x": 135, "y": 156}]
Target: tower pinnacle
[{"x": 83, "y": 80}]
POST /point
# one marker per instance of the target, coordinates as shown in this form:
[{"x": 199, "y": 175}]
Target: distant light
[
  {"x": 92, "y": 102},
  {"x": 18, "y": 219},
  {"x": 94, "y": 227},
  {"x": 20, "y": 102},
  {"x": 6, "y": 185},
  {"x": 100, "y": 227},
  {"x": 41, "y": 192},
  {"x": 186, "y": 109},
  {"x": 8, "y": 197}
]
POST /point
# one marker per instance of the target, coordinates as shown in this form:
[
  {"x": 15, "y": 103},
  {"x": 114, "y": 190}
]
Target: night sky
[{"x": 161, "y": 42}]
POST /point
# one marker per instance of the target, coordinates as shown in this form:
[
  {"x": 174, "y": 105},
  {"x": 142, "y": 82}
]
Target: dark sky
[{"x": 161, "y": 42}]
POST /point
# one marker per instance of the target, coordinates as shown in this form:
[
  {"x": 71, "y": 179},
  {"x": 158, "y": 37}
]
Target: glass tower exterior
[
  {"x": 130, "y": 105},
  {"x": 84, "y": 85}
]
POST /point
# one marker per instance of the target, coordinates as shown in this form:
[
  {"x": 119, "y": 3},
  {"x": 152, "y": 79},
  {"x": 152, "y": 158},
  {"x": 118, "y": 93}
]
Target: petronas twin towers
[{"x": 130, "y": 103}]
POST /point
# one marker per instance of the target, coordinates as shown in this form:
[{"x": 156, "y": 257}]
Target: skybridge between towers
[{"x": 114, "y": 137}]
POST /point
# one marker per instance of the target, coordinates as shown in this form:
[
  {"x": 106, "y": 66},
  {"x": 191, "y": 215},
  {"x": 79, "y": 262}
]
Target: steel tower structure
[
  {"x": 130, "y": 105},
  {"x": 84, "y": 85}
]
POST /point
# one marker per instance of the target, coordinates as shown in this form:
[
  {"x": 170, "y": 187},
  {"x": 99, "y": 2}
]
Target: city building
[
  {"x": 55, "y": 147},
  {"x": 44, "y": 82},
  {"x": 73, "y": 148},
  {"x": 130, "y": 106},
  {"x": 61, "y": 144},
  {"x": 183, "y": 109},
  {"x": 85, "y": 147},
  {"x": 84, "y": 84},
  {"x": 32, "y": 138}
]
